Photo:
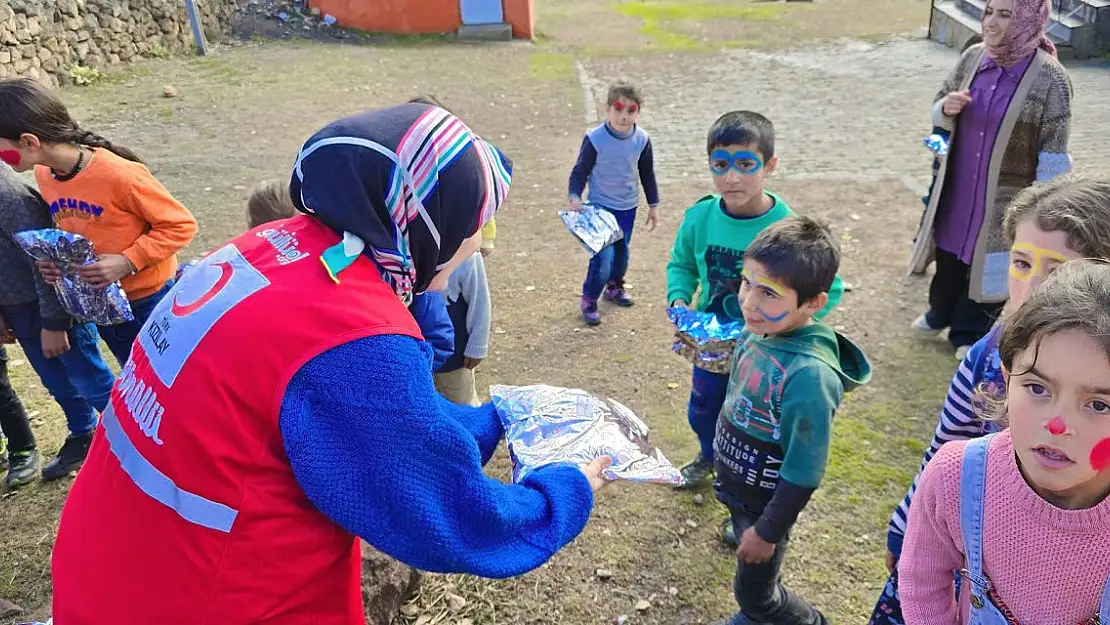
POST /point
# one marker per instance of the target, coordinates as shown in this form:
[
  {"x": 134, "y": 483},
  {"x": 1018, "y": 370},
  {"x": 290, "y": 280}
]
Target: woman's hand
[
  {"x": 955, "y": 102},
  {"x": 891, "y": 562},
  {"x": 110, "y": 268},
  {"x": 594, "y": 470},
  {"x": 50, "y": 272},
  {"x": 54, "y": 343}
]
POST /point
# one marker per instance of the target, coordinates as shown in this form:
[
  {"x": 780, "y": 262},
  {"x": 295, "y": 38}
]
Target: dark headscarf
[{"x": 412, "y": 182}]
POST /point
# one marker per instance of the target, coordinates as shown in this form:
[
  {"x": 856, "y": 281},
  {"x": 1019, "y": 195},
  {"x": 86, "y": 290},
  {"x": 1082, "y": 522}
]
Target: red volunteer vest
[{"x": 187, "y": 510}]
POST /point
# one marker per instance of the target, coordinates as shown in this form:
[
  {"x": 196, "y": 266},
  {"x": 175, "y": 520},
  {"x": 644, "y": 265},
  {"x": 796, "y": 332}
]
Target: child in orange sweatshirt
[{"x": 103, "y": 192}]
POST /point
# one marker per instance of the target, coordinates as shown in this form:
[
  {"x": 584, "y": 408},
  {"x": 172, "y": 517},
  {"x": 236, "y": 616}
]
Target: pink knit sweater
[{"x": 1047, "y": 564}]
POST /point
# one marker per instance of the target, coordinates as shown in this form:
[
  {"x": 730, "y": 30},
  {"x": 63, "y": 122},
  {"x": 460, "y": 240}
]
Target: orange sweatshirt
[{"x": 119, "y": 206}]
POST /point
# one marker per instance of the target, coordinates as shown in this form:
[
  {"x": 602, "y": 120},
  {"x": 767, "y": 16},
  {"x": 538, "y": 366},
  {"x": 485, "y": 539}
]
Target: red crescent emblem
[{"x": 225, "y": 276}]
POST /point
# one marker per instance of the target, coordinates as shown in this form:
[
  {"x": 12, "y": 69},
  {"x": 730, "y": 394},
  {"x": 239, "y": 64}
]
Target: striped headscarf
[
  {"x": 409, "y": 183},
  {"x": 1025, "y": 33}
]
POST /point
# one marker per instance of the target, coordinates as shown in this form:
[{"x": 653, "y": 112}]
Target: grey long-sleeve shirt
[{"x": 21, "y": 284}]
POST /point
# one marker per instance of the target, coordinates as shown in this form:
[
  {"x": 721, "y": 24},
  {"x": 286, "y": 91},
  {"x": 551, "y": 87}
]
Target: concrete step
[{"x": 486, "y": 32}]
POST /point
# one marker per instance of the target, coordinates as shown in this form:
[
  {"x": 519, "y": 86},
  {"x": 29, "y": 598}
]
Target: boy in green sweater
[
  {"x": 708, "y": 255},
  {"x": 789, "y": 375}
]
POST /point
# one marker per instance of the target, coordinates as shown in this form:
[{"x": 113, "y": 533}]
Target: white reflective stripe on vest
[{"x": 158, "y": 486}]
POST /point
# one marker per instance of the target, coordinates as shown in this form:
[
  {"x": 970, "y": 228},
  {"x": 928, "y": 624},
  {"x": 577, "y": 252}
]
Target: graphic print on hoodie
[{"x": 776, "y": 422}]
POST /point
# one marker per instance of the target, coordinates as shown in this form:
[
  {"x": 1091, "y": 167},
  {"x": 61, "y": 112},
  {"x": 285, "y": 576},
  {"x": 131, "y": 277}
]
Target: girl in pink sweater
[{"x": 1022, "y": 515}]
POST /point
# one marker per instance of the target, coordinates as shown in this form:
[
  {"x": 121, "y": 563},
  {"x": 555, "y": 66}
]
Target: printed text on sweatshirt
[{"x": 119, "y": 206}]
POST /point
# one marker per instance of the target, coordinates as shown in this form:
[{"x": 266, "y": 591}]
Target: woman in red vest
[{"x": 280, "y": 402}]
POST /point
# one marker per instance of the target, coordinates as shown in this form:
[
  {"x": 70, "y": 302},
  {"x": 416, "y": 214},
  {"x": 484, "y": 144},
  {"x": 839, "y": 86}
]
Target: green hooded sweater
[
  {"x": 776, "y": 422},
  {"x": 708, "y": 256}
]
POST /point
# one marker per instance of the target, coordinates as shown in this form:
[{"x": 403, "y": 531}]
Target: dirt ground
[{"x": 241, "y": 115}]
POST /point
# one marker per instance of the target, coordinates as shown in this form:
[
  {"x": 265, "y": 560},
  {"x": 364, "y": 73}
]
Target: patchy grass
[
  {"x": 552, "y": 66},
  {"x": 658, "y": 20}
]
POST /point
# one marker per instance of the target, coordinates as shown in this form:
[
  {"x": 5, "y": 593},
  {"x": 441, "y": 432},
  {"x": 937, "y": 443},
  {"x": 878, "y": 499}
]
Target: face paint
[
  {"x": 769, "y": 284},
  {"x": 779, "y": 289},
  {"x": 1040, "y": 259},
  {"x": 747, "y": 163},
  {"x": 1056, "y": 426},
  {"x": 1100, "y": 455},
  {"x": 772, "y": 318},
  {"x": 11, "y": 157}
]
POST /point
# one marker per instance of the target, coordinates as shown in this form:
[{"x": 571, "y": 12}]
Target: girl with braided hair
[{"x": 101, "y": 191}]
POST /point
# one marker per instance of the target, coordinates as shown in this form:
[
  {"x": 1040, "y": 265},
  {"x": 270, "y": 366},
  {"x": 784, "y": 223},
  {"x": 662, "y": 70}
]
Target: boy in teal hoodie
[
  {"x": 789, "y": 375},
  {"x": 708, "y": 254}
]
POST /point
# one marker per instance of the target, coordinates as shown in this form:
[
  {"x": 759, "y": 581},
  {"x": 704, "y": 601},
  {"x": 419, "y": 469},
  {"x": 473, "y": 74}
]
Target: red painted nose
[{"x": 1056, "y": 426}]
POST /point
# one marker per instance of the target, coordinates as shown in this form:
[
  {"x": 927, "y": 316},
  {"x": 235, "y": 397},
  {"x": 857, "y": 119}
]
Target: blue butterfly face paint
[{"x": 745, "y": 162}]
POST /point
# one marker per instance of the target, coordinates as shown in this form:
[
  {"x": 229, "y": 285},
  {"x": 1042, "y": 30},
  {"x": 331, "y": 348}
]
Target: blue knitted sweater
[{"x": 378, "y": 451}]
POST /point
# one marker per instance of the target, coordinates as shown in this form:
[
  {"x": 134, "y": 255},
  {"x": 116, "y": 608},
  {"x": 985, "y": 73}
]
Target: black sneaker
[
  {"x": 728, "y": 533},
  {"x": 23, "y": 469},
  {"x": 69, "y": 458},
  {"x": 698, "y": 473}
]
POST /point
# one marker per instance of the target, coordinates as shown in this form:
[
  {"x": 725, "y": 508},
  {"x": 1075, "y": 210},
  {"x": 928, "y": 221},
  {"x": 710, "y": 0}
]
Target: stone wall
[{"x": 46, "y": 38}]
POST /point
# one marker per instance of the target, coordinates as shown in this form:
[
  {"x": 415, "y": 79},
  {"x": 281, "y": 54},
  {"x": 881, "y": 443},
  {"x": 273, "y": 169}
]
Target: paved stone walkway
[{"x": 845, "y": 111}]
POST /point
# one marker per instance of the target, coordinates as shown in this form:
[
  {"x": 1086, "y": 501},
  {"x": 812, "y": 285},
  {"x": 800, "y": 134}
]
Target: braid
[{"x": 93, "y": 140}]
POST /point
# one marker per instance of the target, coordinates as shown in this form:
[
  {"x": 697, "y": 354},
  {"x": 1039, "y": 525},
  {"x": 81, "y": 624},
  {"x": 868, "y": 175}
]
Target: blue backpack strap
[{"x": 973, "y": 486}]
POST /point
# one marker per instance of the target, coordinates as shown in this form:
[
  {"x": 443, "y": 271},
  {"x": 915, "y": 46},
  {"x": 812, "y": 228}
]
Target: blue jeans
[
  {"x": 610, "y": 264},
  {"x": 707, "y": 396},
  {"x": 120, "y": 337},
  {"x": 79, "y": 380}
]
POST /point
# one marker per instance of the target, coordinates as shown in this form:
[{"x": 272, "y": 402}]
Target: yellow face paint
[
  {"x": 1038, "y": 259},
  {"x": 779, "y": 289}
]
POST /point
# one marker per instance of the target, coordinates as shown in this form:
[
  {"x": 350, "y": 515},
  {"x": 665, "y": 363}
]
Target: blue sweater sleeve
[
  {"x": 379, "y": 452},
  {"x": 430, "y": 311},
  {"x": 587, "y": 157}
]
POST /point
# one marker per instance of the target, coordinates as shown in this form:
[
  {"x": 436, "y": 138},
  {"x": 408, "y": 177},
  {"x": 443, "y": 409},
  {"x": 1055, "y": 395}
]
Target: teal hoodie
[
  {"x": 776, "y": 422},
  {"x": 708, "y": 256}
]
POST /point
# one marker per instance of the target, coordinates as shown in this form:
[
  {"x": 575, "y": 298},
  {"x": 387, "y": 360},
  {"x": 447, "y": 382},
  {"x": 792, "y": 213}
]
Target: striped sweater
[{"x": 958, "y": 421}]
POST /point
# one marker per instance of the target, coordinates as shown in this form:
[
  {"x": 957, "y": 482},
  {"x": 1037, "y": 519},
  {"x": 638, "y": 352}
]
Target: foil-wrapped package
[
  {"x": 547, "y": 424},
  {"x": 937, "y": 144},
  {"x": 68, "y": 251},
  {"x": 703, "y": 339},
  {"x": 594, "y": 228}
]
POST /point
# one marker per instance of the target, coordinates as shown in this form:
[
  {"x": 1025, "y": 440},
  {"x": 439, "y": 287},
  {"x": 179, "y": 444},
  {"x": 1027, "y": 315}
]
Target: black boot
[
  {"x": 23, "y": 469},
  {"x": 69, "y": 458},
  {"x": 697, "y": 473}
]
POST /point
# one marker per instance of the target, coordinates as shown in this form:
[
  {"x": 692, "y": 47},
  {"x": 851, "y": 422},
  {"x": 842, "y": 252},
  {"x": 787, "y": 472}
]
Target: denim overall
[{"x": 973, "y": 481}]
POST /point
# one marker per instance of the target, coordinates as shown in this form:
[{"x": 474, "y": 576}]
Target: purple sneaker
[
  {"x": 615, "y": 293},
  {"x": 589, "y": 312}
]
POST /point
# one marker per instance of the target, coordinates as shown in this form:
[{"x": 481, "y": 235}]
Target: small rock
[
  {"x": 33, "y": 414},
  {"x": 410, "y": 610},
  {"x": 499, "y": 331},
  {"x": 169, "y": 91},
  {"x": 424, "y": 619},
  {"x": 17, "y": 363},
  {"x": 622, "y": 619},
  {"x": 854, "y": 217},
  {"x": 455, "y": 602},
  {"x": 672, "y": 591},
  {"x": 529, "y": 288},
  {"x": 692, "y": 524},
  {"x": 606, "y": 532},
  {"x": 672, "y": 385},
  {"x": 682, "y": 531},
  {"x": 603, "y": 574},
  {"x": 699, "y": 499},
  {"x": 643, "y": 605}
]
